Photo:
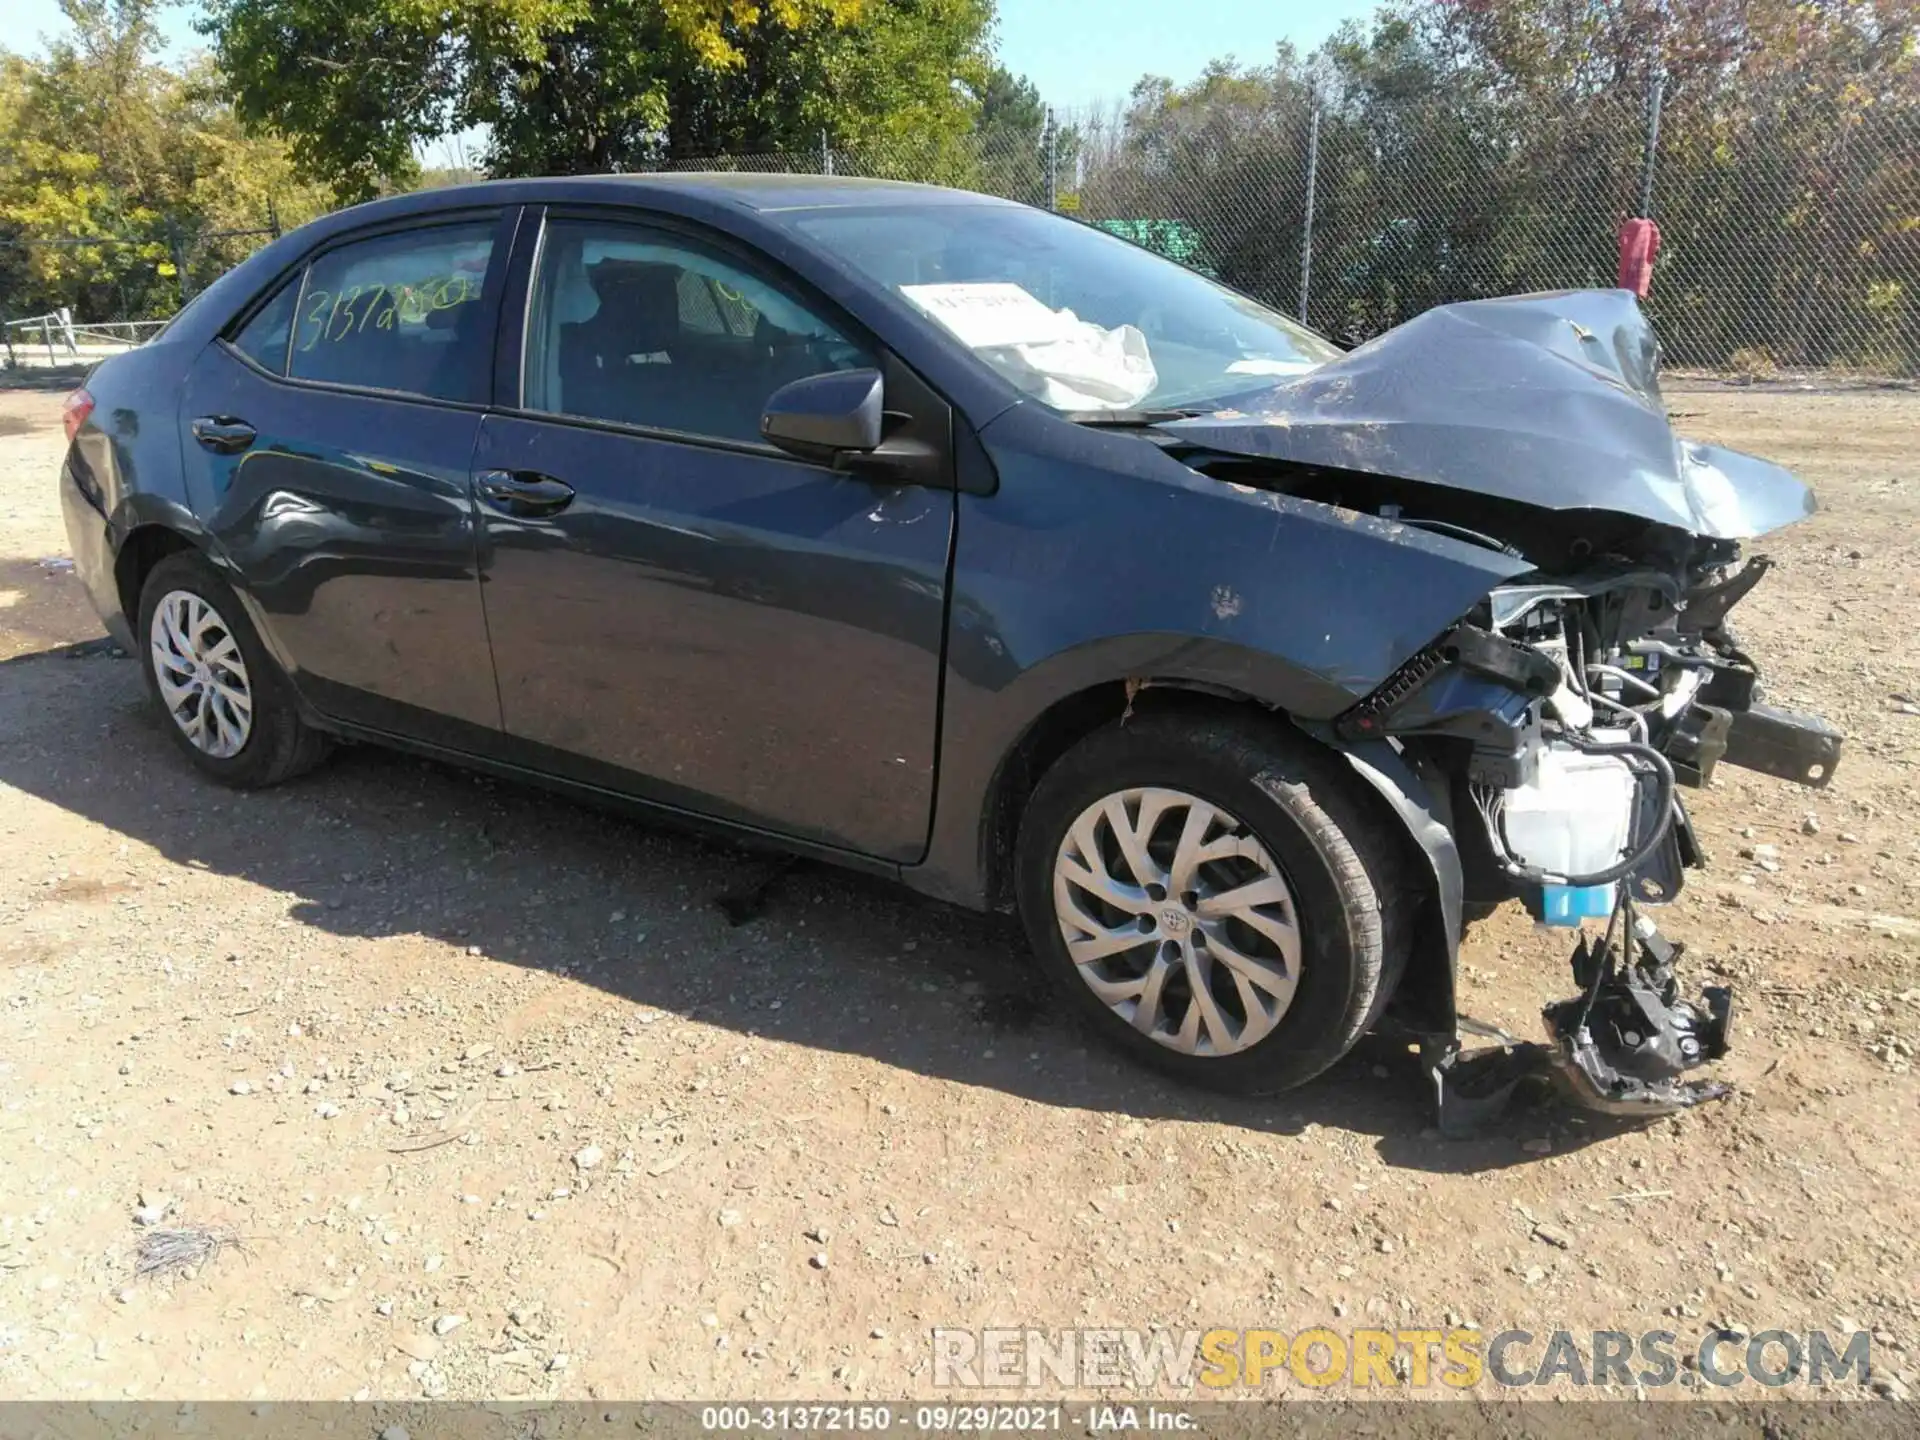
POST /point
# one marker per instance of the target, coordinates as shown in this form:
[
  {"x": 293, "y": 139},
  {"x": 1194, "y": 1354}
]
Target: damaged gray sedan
[{"x": 961, "y": 543}]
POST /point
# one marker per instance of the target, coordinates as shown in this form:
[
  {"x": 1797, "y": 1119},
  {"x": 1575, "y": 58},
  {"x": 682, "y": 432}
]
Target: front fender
[
  {"x": 988, "y": 732},
  {"x": 1101, "y": 560},
  {"x": 1094, "y": 535},
  {"x": 1426, "y": 997}
]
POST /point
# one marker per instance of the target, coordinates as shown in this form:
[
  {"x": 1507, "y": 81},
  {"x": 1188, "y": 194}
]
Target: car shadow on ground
[{"x": 377, "y": 844}]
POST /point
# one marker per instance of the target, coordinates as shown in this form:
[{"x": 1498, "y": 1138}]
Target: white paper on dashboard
[{"x": 985, "y": 315}]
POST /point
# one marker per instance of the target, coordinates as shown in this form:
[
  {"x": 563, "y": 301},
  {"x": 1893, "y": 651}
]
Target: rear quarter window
[{"x": 263, "y": 339}]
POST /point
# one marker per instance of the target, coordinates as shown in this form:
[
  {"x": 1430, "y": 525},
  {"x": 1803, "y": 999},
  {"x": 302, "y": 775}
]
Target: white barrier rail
[{"x": 57, "y": 339}]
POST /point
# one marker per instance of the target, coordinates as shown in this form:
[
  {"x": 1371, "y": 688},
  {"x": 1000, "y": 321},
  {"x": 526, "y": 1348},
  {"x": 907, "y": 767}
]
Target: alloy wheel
[
  {"x": 201, "y": 674},
  {"x": 1177, "y": 918}
]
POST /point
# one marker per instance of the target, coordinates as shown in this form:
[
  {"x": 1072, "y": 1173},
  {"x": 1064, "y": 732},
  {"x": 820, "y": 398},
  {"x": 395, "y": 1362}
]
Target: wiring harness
[{"x": 1648, "y": 765}]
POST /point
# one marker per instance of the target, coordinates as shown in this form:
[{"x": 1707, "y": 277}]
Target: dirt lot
[{"x": 688, "y": 1159}]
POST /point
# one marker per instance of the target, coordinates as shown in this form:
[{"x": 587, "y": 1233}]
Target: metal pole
[
  {"x": 273, "y": 218},
  {"x": 46, "y": 334},
  {"x": 1053, "y": 163},
  {"x": 826, "y": 155},
  {"x": 1656, "y": 94},
  {"x": 179, "y": 250},
  {"x": 1313, "y": 178}
]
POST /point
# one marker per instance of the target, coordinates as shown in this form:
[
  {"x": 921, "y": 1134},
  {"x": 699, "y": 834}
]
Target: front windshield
[{"x": 1077, "y": 318}]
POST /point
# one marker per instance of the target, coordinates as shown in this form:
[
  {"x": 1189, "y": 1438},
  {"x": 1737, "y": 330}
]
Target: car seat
[{"x": 616, "y": 363}]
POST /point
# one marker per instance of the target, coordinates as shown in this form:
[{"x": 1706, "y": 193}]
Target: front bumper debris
[
  {"x": 1621, "y": 1046},
  {"x": 1784, "y": 744}
]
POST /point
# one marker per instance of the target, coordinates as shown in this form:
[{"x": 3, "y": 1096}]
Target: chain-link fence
[
  {"x": 1790, "y": 222},
  {"x": 1791, "y": 230},
  {"x": 71, "y": 298}
]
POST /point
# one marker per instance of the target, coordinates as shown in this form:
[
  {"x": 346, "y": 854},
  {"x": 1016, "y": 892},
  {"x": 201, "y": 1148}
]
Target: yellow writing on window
[{"x": 331, "y": 316}]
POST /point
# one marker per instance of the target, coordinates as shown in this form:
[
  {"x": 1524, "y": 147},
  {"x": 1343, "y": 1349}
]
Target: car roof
[
  {"x": 762, "y": 193},
  {"x": 802, "y": 192}
]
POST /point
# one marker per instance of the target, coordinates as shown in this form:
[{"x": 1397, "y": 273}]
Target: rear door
[
  {"x": 328, "y": 441},
  {"x": 678, "y": 610}
]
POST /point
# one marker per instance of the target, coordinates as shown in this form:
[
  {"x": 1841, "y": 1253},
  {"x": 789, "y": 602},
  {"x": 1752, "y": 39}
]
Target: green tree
[
  {"x": 1010, "y": 139},
  {"x": 112, "y": 164},
  {"x": 1787, "y": 184},
  {"x": 567, "y": 86},
  {"x": 1484, "y": 147},
  {"x": 1212, "y": 173},
  {"x": 1010, "y": 105}
]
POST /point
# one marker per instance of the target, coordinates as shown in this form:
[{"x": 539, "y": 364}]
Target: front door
[
  {"x": 678, "y": 610},
  {"x": 329, "y": 442}
]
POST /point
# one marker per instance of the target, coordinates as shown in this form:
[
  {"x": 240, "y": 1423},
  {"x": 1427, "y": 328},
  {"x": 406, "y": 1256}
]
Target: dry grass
[{"x": 181, "y": 1249}]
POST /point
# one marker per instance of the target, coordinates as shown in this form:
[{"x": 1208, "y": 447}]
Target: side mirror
[{"x": 823, "y": 415}]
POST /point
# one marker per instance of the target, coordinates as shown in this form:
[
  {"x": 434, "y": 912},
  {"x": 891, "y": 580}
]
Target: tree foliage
[
  {"x": 567, "y": 86},
  {"x": 1482, "y": 147},
  {"x": 113, "y": 166},
  {"x": 1008, "y": 149}
]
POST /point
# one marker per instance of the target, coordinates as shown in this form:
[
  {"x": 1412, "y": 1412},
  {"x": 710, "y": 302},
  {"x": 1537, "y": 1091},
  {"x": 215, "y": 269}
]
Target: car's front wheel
[
  {"x": 1215, "y": 895},
  {"x": 223, "y": 701}
]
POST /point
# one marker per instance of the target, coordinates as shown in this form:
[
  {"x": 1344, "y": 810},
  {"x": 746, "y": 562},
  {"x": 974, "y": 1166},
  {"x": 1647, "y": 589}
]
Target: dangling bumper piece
[{"x": 1621, "y": 1046}]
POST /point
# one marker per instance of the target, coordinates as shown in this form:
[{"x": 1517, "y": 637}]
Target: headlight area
[{"x": 1566, "y": 720}]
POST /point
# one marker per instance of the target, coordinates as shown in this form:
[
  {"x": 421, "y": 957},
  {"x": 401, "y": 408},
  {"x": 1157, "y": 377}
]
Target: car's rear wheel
[
  {"x": 221, "y": 697},
  {"x": 1215, "y": 896}
]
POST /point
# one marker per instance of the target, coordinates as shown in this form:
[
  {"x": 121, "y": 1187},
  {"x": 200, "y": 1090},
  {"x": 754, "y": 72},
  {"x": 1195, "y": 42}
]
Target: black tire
[
  {"x": 279, "y": 744},
  {"x": 1334, "y": 846}
]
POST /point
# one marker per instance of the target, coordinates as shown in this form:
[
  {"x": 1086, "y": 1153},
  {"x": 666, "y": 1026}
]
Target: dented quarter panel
[
  {"x": 1549, "y": 400},
  {"x": 123, "y": 471},
  {"x": 1101, "y": 559}
]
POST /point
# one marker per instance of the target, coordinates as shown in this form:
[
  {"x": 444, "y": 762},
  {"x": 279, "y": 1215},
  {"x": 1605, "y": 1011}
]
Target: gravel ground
[{"x": 490, "y": 1100}]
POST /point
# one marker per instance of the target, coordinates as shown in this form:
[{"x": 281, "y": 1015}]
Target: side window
[
  {"x": 399, "y": 312},
  {"x": 647, "y": 328},
  {"x": 263, "y": 339}
]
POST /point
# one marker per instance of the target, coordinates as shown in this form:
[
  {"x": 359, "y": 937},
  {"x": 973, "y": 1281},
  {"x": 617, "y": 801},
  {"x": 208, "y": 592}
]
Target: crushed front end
[
  {"x": 1569, "y": 709},
  {"x": 1568, "y": 714}
]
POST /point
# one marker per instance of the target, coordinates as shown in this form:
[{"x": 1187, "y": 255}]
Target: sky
[
  {"x": 29, "y": 21},
  {"x": 1085, "y": 52},
  {"x": 1079, "y": 52}
]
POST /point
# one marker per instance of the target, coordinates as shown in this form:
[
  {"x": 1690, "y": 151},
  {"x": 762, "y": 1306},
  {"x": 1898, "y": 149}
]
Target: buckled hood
[{"x": 1551, "y": 400}]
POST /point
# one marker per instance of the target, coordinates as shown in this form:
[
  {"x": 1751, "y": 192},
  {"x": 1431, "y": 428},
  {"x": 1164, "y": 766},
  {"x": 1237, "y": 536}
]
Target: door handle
[
  {"x": 525, "y": 493},
  {"x": 223, "y": 434}
]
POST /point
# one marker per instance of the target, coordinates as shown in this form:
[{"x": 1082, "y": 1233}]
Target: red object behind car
[{"x": 1639, "y": 244}]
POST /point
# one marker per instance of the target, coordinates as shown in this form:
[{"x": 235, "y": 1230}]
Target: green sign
[{"x": 1175, "y": 239}]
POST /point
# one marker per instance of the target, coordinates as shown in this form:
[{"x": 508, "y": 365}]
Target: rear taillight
[{"x": 75, "y": 412}]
